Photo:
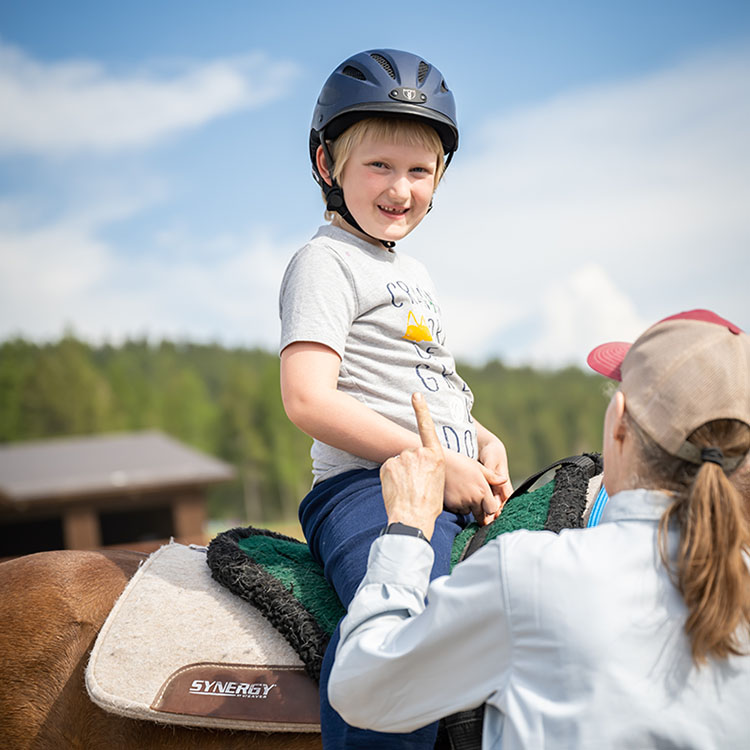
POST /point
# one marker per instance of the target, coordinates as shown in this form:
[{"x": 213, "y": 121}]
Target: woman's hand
[{"x": 413, "y": 482}]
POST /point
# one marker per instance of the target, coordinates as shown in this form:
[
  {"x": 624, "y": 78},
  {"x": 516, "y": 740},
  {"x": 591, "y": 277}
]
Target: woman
[{"x": 631, "y": 634}]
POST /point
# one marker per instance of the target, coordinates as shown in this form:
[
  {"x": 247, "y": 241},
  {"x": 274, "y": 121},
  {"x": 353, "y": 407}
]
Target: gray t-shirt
[{"x": 377, "y": 309}]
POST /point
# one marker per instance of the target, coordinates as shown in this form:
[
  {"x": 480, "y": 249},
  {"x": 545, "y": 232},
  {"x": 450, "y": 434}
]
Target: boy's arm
[{"x": 309, "y": 376}]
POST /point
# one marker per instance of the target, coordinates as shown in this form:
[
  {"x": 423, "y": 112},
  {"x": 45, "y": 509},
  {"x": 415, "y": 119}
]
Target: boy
[{"x": 362, "y": 330}]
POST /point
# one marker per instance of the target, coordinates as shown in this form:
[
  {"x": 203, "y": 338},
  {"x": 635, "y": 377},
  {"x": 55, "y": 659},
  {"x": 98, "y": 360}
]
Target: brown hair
[
  {"x": 391, "y": 129},
  {"x": 710, "y": 568}
]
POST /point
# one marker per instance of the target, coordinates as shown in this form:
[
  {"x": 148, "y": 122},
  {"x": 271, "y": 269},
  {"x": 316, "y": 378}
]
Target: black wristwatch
[{"x": 402, "y": 528}]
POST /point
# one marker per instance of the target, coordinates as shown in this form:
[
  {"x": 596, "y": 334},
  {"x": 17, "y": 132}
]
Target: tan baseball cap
[{"x": 684, "y": 371}]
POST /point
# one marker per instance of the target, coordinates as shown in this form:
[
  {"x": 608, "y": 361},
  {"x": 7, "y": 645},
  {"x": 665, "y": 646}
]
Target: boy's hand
[
  {"x": 413, "y": 482},
  {"x": 493, "y": 456},
  {"x": 469, "y": 487}
]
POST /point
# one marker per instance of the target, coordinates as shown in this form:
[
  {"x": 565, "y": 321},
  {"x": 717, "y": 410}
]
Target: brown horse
[{"x": 52, "y": 606}]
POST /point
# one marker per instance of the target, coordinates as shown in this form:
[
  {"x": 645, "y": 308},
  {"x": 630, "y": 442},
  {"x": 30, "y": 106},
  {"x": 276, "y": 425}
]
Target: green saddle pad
[{"x": 278, "y": 575}]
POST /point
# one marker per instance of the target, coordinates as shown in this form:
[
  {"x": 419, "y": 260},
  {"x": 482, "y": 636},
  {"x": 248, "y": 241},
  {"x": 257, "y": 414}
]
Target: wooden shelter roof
[{"x": 129, "y": 463}]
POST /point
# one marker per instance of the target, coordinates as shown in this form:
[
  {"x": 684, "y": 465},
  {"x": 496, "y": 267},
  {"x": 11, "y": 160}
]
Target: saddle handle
[{"x": 585, "y": 461}]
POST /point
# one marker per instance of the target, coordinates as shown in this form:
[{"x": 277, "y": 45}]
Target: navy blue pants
[{"x": 340, "y": 518}]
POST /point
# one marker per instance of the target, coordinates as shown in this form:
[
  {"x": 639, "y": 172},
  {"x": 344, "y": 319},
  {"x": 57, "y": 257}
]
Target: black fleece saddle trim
[{"x": 247, "y": 578}]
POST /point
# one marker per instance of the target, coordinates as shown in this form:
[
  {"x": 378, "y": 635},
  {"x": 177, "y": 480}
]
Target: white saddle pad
[{"x": 179, "y": 648}]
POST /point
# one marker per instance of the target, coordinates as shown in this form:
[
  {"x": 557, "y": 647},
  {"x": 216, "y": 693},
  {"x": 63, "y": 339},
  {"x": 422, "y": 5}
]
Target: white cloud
[
  {"x": 65, "y": 275},
  {"x": 74, "y": 106},
  {"x": 583, "y": 310},
  {"x": 597, "y": 212}
]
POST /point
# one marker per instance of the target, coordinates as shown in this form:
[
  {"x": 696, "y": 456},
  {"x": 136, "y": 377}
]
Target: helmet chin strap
[
  {"x": 335, "y": 197},
  {"x": 335, "y": 202}
]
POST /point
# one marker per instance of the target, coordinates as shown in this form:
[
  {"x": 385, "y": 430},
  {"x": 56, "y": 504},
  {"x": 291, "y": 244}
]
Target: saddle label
[
  {"x": 273, "y": 694},
  {"x": 232, "y": 689}
]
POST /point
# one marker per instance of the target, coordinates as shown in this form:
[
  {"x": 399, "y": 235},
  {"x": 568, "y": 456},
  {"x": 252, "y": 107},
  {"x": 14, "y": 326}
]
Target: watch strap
[{"x": 401, "y": 528}]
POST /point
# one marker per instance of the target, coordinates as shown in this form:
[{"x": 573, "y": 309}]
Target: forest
[{"x": 226, "y": 402}]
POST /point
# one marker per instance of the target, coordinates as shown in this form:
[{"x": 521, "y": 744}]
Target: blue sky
[{"x": 154, "y": 176}]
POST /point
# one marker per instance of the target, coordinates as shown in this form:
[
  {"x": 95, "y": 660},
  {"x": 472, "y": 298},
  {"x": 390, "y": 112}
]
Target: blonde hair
[
  {"x": 392, "y": 130},
  {"x": 712, "y": 512}
]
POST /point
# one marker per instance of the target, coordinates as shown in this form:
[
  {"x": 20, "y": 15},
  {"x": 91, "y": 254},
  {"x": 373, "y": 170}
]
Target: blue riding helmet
[{"x": 379, "y": 83}]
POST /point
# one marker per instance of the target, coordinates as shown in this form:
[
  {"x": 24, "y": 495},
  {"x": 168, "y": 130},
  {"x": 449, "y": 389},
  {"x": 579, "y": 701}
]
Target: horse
[{"x": 52, "y": 607}]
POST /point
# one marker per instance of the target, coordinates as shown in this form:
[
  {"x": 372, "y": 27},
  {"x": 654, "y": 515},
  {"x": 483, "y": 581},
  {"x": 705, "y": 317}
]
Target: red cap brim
[{"x": 607, "y": 358}]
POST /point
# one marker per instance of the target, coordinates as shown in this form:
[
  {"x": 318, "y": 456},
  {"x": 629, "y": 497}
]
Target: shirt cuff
[
  {"x": 399, "y": 559},
  {"x": 398, "y": 574}
]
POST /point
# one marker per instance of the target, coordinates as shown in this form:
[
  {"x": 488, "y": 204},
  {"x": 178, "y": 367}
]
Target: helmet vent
[
  {"x": 443, "y": 87},
  {"x": 353, "y": 72},
  {"x": 422, "y": 71},
  {"x": 387, "y": 67}
]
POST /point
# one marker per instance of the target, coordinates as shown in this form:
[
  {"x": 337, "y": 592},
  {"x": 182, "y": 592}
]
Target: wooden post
[
  {"x": 189, "y": 518},
  {"x": 81, "y": 528}
]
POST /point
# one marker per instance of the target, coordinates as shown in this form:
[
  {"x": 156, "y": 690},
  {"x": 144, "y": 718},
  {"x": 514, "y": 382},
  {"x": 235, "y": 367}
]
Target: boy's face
[{"x": 388, "y": 187}]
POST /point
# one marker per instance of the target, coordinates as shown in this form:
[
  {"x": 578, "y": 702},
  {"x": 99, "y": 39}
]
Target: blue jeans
[{"x": 340, "y": 518}]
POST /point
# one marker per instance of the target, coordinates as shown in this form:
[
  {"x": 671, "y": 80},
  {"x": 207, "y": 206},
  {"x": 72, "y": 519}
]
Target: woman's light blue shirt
[{"x": 573, "y": 640}]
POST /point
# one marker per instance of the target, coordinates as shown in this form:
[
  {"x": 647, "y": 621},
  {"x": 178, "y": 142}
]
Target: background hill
[{"x": 226, "y": 402}]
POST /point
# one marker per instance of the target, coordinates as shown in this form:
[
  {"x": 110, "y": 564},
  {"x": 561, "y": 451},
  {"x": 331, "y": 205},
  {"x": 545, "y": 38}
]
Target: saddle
[{"x": 233, "y": 636}]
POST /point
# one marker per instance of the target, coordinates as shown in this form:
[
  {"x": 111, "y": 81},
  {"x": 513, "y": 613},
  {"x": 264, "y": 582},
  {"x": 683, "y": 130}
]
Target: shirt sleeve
[
  {"x": 318, "y": 299},
  {"x": 400, "y": 664}
]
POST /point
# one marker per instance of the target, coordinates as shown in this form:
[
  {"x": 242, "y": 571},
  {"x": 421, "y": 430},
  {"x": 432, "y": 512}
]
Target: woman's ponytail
[
  {"x": 710, "y": 566},
  {"x": 711, "y": 512}
]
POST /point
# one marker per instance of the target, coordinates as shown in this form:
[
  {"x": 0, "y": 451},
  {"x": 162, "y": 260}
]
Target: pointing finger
[{"x": 424, "y": 422}]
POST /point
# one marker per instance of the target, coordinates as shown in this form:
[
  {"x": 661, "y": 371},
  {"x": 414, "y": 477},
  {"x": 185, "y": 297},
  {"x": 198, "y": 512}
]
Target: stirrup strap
[{"x": 462, "y": 731}]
